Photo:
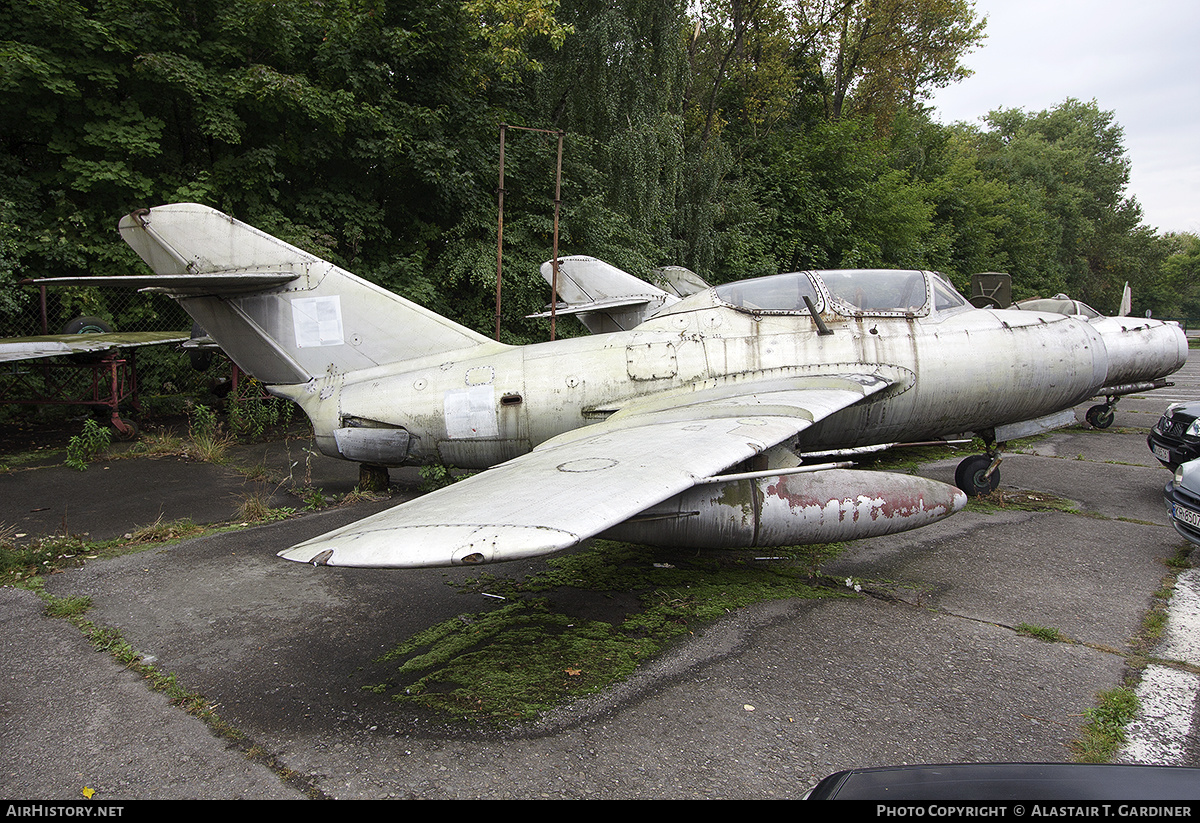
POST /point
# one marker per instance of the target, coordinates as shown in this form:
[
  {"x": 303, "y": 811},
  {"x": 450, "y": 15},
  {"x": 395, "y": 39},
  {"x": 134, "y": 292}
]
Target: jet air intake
[{"x": 792, "y": 510}]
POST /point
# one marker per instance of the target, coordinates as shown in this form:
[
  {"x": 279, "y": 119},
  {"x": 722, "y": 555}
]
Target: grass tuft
[
  {"x": 1043, "y": 633},
  {"x": 1104, "y": 731}
]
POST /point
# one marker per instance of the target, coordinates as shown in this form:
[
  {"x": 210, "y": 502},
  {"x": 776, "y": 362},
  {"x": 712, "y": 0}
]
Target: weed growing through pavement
[
  {"x": 22, "y": 562},
  {"x": 314, "y": 499},
  {"x": 1182, "y": 559},
  {"x": 89, "y": 444},
  {"x": 161, "y": 532},
  {"x": 157, "y": 443},
  {"x": 1043, "y": 633},
  {"x": 1104, "y": 730},
  {"x": 257, "y": 508},
  {"x": 437, "y": 476},
  {"x": 434, "y": 477},
  {"x": 204, "y": 429},
  {"x": 250, "y": 413}
]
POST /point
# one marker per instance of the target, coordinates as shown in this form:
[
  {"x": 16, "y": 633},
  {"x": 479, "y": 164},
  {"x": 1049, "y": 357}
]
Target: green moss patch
[{"x": 583, "y": 624}]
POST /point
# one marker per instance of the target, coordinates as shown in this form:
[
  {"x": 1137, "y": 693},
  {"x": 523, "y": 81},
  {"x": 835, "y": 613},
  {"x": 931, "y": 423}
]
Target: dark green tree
[
  {"x": 1069, "y": 163},
  {"x": 1176, "y": 290}
]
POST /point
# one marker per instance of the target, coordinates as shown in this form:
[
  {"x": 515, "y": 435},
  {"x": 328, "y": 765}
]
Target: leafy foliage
[
  {"x": 89, "y": 444},
  {"x": 736, "y": 137},
  {"x": 879, "y": 57}
]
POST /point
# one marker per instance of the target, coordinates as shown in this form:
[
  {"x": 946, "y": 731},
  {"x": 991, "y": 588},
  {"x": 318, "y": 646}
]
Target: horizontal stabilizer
[
  {"x": 282, "y": 314},
  {"x": 594, "y": 306},
  {"x": 240, "y": 282},
  {"x": 604, "y": 298}
]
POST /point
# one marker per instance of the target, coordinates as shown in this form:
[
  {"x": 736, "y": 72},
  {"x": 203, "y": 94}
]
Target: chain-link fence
[
  {"x": 166, "y": 377},
  {"x": 51, "y": 310}
]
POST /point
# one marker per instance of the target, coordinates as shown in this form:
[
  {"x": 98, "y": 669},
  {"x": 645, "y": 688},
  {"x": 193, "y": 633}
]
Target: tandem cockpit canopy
[{"x": 878, "y": 292}]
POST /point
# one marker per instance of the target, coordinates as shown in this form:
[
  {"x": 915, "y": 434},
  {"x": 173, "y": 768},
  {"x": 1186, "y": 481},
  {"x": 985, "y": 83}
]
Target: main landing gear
[
  {"x": 1101, "y": 415},
  {"x": 979, "y": 474},
  {"x": 373, "y": 478}
]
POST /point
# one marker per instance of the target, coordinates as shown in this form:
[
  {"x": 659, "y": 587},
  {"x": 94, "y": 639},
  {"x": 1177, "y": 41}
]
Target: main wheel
[
  {"x": 971, "y": 476},
  {"x": 86, "y": 325},
  {"x": 126, "y": 429},
  {"x": 1100, "y": 416},
  {"x": 200, "y": 359}
]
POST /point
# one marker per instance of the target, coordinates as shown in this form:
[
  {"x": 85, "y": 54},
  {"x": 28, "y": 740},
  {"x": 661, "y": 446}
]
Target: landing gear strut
[
  {"x": 373, "y": 478},
  {"x": 980, "y": 473}
]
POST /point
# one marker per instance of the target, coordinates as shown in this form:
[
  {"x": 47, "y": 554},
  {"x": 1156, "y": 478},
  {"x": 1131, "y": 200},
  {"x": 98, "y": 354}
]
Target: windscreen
[{"x": 872, "y": 291}]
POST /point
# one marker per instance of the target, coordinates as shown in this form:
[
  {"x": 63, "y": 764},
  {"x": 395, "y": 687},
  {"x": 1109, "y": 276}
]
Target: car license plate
[
  {"x": 1161, "y": 453},
  {"x": 1186, "y": 516}
]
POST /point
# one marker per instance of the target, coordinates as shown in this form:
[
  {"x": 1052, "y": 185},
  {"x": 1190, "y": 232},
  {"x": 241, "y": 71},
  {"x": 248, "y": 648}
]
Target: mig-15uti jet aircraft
[{"x": 680, "y": 431}]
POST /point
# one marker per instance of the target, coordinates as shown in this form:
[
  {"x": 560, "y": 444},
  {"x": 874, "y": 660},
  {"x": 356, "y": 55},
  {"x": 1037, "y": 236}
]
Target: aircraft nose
[{"x": 1141, "y": 349}]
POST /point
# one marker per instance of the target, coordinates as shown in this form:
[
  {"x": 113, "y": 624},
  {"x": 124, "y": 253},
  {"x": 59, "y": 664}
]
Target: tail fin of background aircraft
[
  {"x": 606, "y": 299},
  {"x": 282, "y": 314},
  {"x": 1126, "y": 301}
]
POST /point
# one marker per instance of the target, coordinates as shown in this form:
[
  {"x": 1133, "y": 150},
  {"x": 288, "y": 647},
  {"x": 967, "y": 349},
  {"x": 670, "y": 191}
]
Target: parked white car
[{"x": 1182, "y": 495}]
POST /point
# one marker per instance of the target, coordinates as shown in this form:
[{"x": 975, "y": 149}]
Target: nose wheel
[{"x": 978, "y": 474}]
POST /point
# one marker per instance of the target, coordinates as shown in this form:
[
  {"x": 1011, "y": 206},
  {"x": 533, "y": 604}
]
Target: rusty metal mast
[{"x": 504, "y": 127}]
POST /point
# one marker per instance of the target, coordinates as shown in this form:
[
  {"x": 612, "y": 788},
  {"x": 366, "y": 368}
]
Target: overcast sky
[{"x": 1139, "y": 59}]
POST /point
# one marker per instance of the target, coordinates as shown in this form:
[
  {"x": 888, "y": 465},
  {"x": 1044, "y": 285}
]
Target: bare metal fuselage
[
  {"x": 959, "y": 371},
  {"x": 679, "y": 431},
  {"x": 388, "y": 382}
]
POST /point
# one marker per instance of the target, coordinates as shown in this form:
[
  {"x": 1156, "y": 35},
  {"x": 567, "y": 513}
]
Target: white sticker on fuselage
[
  {"x": 471, "y": 412},
  {"x": 317, "y": 321}
]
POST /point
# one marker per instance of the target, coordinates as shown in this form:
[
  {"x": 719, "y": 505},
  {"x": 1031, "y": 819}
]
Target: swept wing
[
  {"x": 577, "y": 485},
  {"x": 56, "y": 345}
]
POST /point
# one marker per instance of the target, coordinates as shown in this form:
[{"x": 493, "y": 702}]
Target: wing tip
[{"x": 430, "y": 546}]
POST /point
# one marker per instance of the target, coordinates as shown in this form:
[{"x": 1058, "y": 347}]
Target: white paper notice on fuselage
[
  {"x": 471, "y": 412},
  {"x": 317, "y": 321}
]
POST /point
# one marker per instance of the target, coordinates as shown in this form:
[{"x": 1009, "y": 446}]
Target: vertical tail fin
[
  {"x": 606, "y": 299},
  {"x": 321, "y": 319}
]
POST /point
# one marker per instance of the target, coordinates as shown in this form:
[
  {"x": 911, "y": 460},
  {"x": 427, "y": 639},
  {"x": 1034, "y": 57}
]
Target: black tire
[
  {"x": 87, "y": 325},
  {"x": 1100, "y": 416},
  {"x": 969, "y": 476},
  {"x": 131, "y": 431},
  {"x": 200, "y": 359}
]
